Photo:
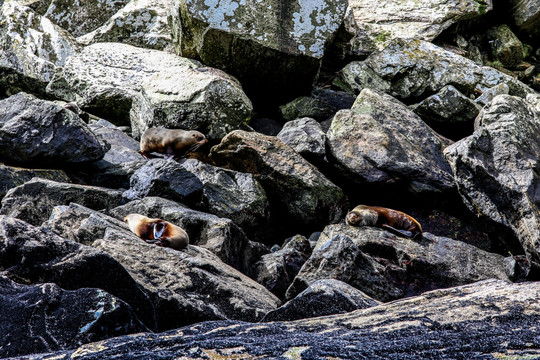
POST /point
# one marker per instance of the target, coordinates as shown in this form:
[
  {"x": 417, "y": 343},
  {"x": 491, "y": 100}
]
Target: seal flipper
[
  {"x": 398, "y": 232},
  {"x": 159, "y": 229}
]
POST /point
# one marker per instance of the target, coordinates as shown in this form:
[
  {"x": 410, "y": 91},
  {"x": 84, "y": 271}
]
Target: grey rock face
[
  {"x": 321, "y": 298},
  {"x": 11, "y": 177},
  {"x": 505, "y": 46},
  {"x": 525, "y": 14},
  {"x": 450, "y": 323},
  {"x": 321, "y": 105},
  {"x": 387, "y": 267},
  {"x": 43, "y": 318},
  {"x": 34, "y": 201},
  {"x": 306, "y": 137},
  {"x": 42, "y": 133},
  {"x": 303, "y": 197},
  {"x": 497, "y": 169}
]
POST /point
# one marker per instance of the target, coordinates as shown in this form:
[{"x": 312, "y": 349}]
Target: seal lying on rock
[
  {"x": 157, "y": 231},
  {"x": 392, "y": 220},
  {"x": 170, "y": 142}
]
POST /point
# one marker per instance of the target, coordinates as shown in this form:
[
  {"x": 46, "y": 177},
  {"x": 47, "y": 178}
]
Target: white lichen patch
[{"x": 219, "y": 13}]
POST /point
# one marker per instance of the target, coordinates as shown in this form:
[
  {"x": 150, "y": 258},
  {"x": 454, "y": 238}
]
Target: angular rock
[
  {"x": 188, "y": 286},
  {"x": 107, "y": 78},
  {"x": 490, "y": 93},
  {"x": 424, "y": 19},
  {"x": 234, "y": 195},
  {"x": 273, "y": 48},
  {"x": 450, "y": 323},
  {"x": 140, "y": 23},
  {"x": 306, "y": 137},
  {"x": 116, "y": 176},
  {"x": 11, "y": 177},
  {"x": 321, "y": 105},
  {"x": 416, "y": 68},
  {"x": 505, "y": 46},
  {"x": 300, "y": 196},
  {"x": 41, "y": 318},
  {"x": 525, "y": 15},
  {"x": 387, "y": 267},
  {"x": 42, "y": 133},
  {"x": 357, "y": 76},
  {"x": 31, "y": 49},
  {"x": 165, "y": 178},
  {"x": 31, "y": 255},
  {"x": 381, "y": 141},
  {"x": 497, "y": 169},
  {"x": 323, "y": 297},
  {"x": 219, "y": 235}
]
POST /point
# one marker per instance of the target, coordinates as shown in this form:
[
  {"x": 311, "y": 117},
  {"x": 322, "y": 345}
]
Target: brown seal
[
  {"x": 393, "y": 220},
  {"x": 170, "y": 142},
  {"x": 157, "y": 231}
]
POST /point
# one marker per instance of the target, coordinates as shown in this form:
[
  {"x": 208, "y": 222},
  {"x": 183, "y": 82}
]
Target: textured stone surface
[
  {"x": 306, "y": 137},
  {"x": 11, "y": 177}
]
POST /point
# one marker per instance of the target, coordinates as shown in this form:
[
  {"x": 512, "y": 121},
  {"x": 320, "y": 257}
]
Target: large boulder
[
  {"x": 45, "y": 317},
  {"x": 43, "y": 133},
  {"x": 470, "y": 322},
  {"x": 423, "y": 19},
  {"x": 526, "y": 16},
  {"x": 300, "y": 196},
  {"x": 31, "y": 49},
  {"x": 387, "y": 267},
  {"x": 497, "y": 169},
  {"x": 273, "y": 48},
  {"x": 165, "y": 90}
]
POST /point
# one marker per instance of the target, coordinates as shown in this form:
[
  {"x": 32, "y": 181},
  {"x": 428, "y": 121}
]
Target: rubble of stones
[{"x": 309, "y": 110}]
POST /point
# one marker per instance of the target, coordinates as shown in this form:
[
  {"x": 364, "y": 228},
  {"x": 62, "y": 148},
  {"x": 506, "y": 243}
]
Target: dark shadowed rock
[
  {"x": 32, "y": 255},
  {"x": 43, "y": 133},
  {"x": 471, "y": 322},
  {"x": 505, "y": 46},
  {"x": 11, "y": 177},
  {"x": 323, "y": 297},
  {"x": 321, "y": 105},
  {"x": 45, "y": 317},
  {"x": 34, "y": 201},
  {"x": 300, "y": 196}
]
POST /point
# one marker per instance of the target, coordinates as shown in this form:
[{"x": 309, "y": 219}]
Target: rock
[
  {"x": 219, "y": 235},
  {"x": 234, "y": 195},
  {"x": 449, "y": 112},
  {"x": 140, "y": 23},
  {"x": 165, "y": 178},
  {"x": 77, "y": 17},
  {"x": 41, "y": 318},
  {"x": 357, "y": 76},
  {"x": 497, "y": 170},
  {"x": 34, "y": 200},
  {"x": 423, "y": 20},
  {"x": 322, "y": 104},
  {"x": 42, "y": 133},
  {"x": 525, "y": 15},
  {"x": 490, "y": 93},
  {"x": 323, "y": 297},
  {"x": 438, "y": 324},
  {"x": 106, "y": 79},
  {"x": 306, "y": 137},
  {"x": 11, "y": 177},
  {"x": 116, "y": 176},
  {"x": 273, "y": 48},
  {"x": 266, "y": 126},
  {"x": 417, "y": 69},
  {"x": 300, "y": 196},
  {"x": 505, "y": 46},
  {"x": 123, "y": 148},
  {"x": 277, "y": 270},
  {"x": 387, "y": 267},
  {"x": 188, "y": 286},
  {"x": 31, "y": 49},
  {"x": 31, "y": 255},
  {"x": 382, "y": 142}
]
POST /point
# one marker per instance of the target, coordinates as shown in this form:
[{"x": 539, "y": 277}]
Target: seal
[
  {"x": 392, "y": 220},
  {"x": 157, "y": 231},
  {"x": 171, "y": 142}
]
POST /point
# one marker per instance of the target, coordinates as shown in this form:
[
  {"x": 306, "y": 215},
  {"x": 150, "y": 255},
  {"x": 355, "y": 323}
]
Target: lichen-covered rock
[
  {"x": 31, "y": 49},
  {"x": 45, "y": 317},
  {"x": 472, "y": 321},
  {"x": 323, "y": 297},
  {"x": 11, "y": 177},
  {"x": 505, "y": 46},
  {"x": 233, "y": 195},
  {"x": 387, "y": 267},
  {"x": 34, "y": 200},
  {"x": 274, "y": 48},
  {"x": 107, "y": 78},
  {"x": 31, "y": 255},
  {"x": 381, "y": 141},
  {"x": 306, "y": 137},
  {"x": 219, "y": 235},
  {"x": 497, "y": 169},
  {"x": 525, "y": 14},
  {"x": 357, "y": 76},
  {"x": 141, "y": 23},
  {"x": 43, "y": 133},
  {"x": 419, "y": 19},
  {"x": 300, "y": 196},
  {"x": 188, "y": 286}
]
